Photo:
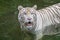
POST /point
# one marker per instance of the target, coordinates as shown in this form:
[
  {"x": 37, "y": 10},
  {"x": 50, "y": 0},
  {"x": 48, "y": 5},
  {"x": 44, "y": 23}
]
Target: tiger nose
[{"x": 29, "y": 18}]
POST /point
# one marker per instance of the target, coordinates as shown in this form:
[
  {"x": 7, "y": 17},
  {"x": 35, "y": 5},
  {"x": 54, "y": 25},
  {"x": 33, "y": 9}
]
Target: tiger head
[{"x": 27, "y": 17}]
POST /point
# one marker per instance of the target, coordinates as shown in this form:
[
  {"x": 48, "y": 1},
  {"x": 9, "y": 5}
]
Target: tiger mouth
[{"x": 29, "y": 23}]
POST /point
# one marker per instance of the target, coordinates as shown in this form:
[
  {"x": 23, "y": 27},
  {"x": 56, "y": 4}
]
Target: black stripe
[
  {"x": 41, "y": 16},
  {"x": 56, "y": 9},
  {"x": 58, "y": 12},
  {"x": 50, "y": 16},
  {"x": 45, "y": 12},
  {"x": 54, "y": 14}
]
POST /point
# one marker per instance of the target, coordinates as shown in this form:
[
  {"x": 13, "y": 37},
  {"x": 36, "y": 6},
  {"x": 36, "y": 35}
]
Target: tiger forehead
[{"x": 28, "y": 10}]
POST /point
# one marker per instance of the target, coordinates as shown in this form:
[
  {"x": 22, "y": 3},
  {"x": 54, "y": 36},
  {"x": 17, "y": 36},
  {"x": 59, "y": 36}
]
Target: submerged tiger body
[{"x": 40, "y": 22}]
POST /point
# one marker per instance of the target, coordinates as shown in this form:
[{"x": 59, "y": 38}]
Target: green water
[{"x": 9, "y": 26}]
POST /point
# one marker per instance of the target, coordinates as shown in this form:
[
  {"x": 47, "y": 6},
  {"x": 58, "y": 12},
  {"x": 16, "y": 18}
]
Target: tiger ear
[
  {"x": 35, "y": 6},
  {"x": 20, "y": 7}
]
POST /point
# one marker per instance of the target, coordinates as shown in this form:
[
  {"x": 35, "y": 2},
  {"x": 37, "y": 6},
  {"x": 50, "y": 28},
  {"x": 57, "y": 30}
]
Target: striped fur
[
  {"x": 50, "y": 19},
  {"x": 52, "y": 13}
]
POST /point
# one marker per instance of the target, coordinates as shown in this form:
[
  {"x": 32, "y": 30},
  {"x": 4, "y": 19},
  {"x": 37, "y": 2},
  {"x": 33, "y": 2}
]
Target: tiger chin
[{"x": 37, "y": 22}]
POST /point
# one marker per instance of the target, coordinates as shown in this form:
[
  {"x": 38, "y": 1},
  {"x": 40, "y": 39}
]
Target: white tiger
[{"x": 39, "y": 22}]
